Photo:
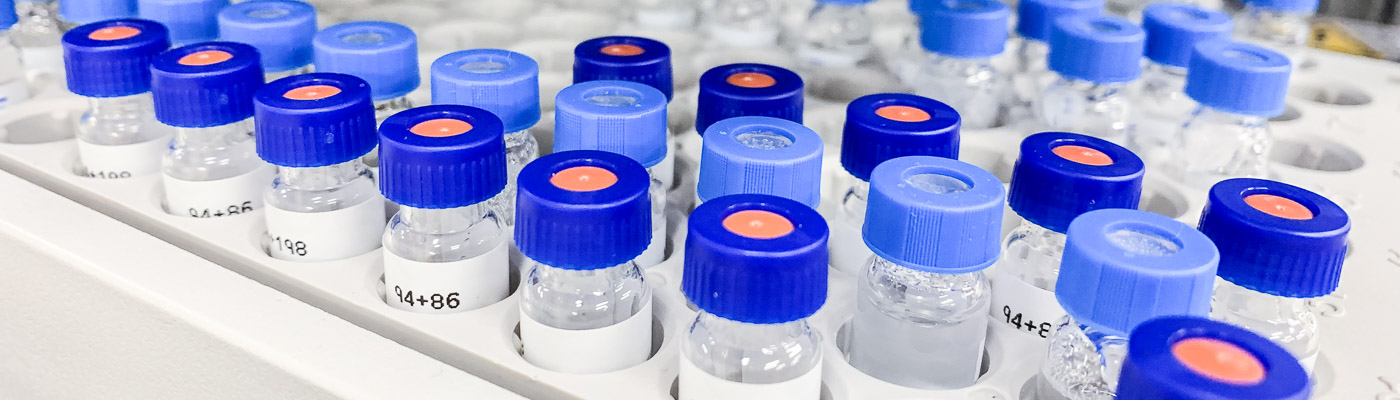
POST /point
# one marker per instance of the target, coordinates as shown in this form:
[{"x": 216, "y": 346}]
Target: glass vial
[
  {"x": 109, "y": 63},
  {"x": 39, "y": 34},
  {"x": 1035, "y": 20},
  {"x": 1281, "y": 25},
  {"x": 281, "y": 30},
  {"x": 741, "y": 23},
  {"x": 961, "y": 38},
  {"x": 1095, "y": 60},
  {"x": 1173, "y": 30},
  {"x": 664, "y": 14}
]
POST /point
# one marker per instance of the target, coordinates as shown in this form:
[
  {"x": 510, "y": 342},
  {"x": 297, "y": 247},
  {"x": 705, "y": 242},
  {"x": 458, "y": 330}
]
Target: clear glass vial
[
  {"x": 584, "y": 217},
  {"x": 118, "y": 136},
  {"x": 39, "y": 34},
  {"x": 664, "y": 14},
  {"x": 445, "y": 250},
  {"x": 962, "y": 37},
  {"x": 1096, "y": 59},
  {"x": 1170, "y": 268},
  {"x": 324, "y": 204},
  {"x": 1035, "y": 20},
  {"x": 189, "y": 21},
  {"x": 1181, "y": 357},
  {"x": 1281, "y": 25},
  {"x": 761, "y": 155},
  {"x": 756, "y": 268},
  {"x": 73, "y": 13},
  {"x": 921, "y": 304},
  {"x": 14, "y": 87},
  {"x": 1280, "y": 245},
  {"x": 281, "y": 30},
  {"x": 1173, "y": 30},
  {"x": 741, "y": 23},
  {"x": 837, "y": 34},
  {"x": 881, "y": 127},
  {"x": 204, "y": 92}
]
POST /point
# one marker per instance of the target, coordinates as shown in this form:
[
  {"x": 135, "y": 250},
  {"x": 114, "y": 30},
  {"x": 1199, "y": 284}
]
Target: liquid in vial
[
  {"x": 584, "y": 218},
  {"x": 962, "y": 37},
  {"x": 1239, "y": 86},
  {"x": 741, "y": 23},
  {"x": 39, "y": 36},
  {"x": 633, "y": 59},
  {"x": 881, "y": 127},
  {"x": 1095, "y": 59},
  {"x": 1170, "y": 269},
  {"x": 446, "y": 249},
  {"x": 281, "y": 30},
  {"x": 1279, "y": 247},
  {"x": 627, "y": 118},
  {"x": 1058, "y": 177},
  {"x": 78, "y": 12},
  {"x": 505, "y": 83},
  {"x": 1182, "y": 358},
  {"x": 1281, "y": 25},
  {"x": 189, "y": 21},
  {"x": 1035, "y": 20},
  {"x": 739, "y": 90},
  {"x": 14, "y": 87},
  {"x": 109, "y": 63},
  {"x": 755, "y": 267},
  {"x": 761, "y": 155},
  {"x": 323, "y": 205},
  {"x": 921, "y": 304},
  {"x": 1173, "y": 30},
  {"x": 204, "y": 92},
  {"x": 664, "y": 14}
]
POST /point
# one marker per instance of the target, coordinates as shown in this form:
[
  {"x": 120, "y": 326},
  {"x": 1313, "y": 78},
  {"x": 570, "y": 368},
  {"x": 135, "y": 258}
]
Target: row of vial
[{"x": 310, "y": 124}]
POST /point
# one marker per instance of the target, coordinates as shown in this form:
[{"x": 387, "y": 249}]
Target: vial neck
[
  {"x": 37, "y": 12},
  {"x": 1257, "y": 13},
  {"x": 748, "y": 335},
  {"x": 959, "y": 63},
  {"x": 1055, "y": 240},
  {"x": 440, "y": 221},
  {"x": 1257, "y": 306},
  {"x": 322, "y": 178},
  {"x": 134, "y": 105},
  {"x": 214, "y": 135}
]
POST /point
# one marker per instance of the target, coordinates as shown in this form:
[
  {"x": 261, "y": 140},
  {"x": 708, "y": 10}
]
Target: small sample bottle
[
  {"x": 963, "y": 36},
  {"x": 664, "y": 14},
  {"x": 1058, "y": 177},
  {"x": 1169, "y": 269},
  {"x": 323, "y": 205},
  {"x": 625, "y": 58},
  {"x": 204, "y": 92},
  {"x": 761, "y": 155},
  {"x": 583, "y": 219},
  {"x": 881, "y": 127},
  {"x": 1173, "y": 30},
  {"x": 446, "y": 250},
  {"x": 109, "y": 62},
  {"x": 14, "y": 87},
  {"x": 281, "y": 30},
  {"x": 1239, "y": 86},
  {"x": 505, "y": 83},
  {"x": 189, "y": 21},
  {"x": 39, "y": 34},
  {"x": 1280, "y": 246},
  {"x": 626, "y": 118},
  {"x": 738, "y": 90},
  {"x": 837, "y": 34},
  {"x": 1190, "y": 358},
  {"x": 741, "y": 23},
  {"x": 78, "y": 12},
  {"x": 384, "y": 54},
  {"x": 921, "y": 305},
  {"x": 1281, "y": 25},
  {"x": 1035, "y": 19},
  {"x": 1095, "y": 60},
  {"x": 755, "y": 267}
]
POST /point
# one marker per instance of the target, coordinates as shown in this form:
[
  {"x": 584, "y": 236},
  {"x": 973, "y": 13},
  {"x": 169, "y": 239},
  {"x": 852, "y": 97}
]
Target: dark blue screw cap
[
  {"x": 1062, "y": 175},
  {"x": 1124, "y": 267},
  {"x": 756, "y": 258},
  {"x": 314, "y": 120},
  {"x": 89, "y": 11},
  {"x": 622, "y": 117},
  {"x": 441, "y": 156},
  {"x": 1277, "y": 238},
  {"x": 1037, "y": 17},
  {"x": 503, "y": 82},
  {"x": 1293, "y": 6},
  {"x": 1174, "y": 29},
  {"x": 565, "y": 218},
  {"x": 934, "y": 214},
  {"x": 189, "y": 21},
  {"x": 282, "y": 30},
  {"x": 624, "y": 58},
  {"x": 1239, "y": 78},
  {"x": 1098, "y": 49},
  {"x": 884, "y": 126},
  {"x": 113, "y": 58},
  {"x": 1154, "y": 371},
  {"x": 384, "y": 54},
  {"x": 743, "y": 90},
  {"x": 8, "y": 17},
  {"x": 761, "y": 155},
  {"x": 964, "y": 28},
  {"x": 205, "y": 84}
]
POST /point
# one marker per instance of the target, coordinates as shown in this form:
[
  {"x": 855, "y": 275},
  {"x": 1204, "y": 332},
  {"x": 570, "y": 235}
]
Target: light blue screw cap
[
  {"x": 189, "y": 21},
  {"x": 934, "y": 214},
  {"x": 1239, "y": 78},
  {"x": 1099, "y": 49},
  {"x": 1295, "y": 6},
  {"x": 1037, "y": 17},
  {"x": 384, "y": 54},
  {"x": 88, "y": 11},
  {"x": 503, "y": 82},
  {"x": 627, "y": 118},
  {"x": 281, "y": 30},
  {"x": 964, "y": 28},
  {"x": 761, "y": 155},
  {"x": 1174, "y": 29}
]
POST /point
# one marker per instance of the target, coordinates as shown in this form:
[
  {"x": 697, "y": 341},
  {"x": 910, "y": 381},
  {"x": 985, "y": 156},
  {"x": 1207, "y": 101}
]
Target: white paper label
[
  {"x": 219, "y": 198},
  {"x": 124, "y": 161},
  {"x": 588, "y": 351},
  {"x": 847, "y": 248},
  {"x": 1024, "y": 307},
  {"x": 447, "y": 287},
  {"x": 696, "y": 384},
  {"x": 326, "y": 236},
  {"x": 13, "y": 92}
]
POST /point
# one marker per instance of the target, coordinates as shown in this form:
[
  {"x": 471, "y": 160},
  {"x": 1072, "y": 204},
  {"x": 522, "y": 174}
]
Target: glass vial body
[
  {"x": 116, "y": 121},
  {"x": 972, "y": 86},
  {"x": 521, "y": 149},
  {"x": 751, "y": 353},
  {"x": 443, "y": 235},
  {"x": 1102, "y": 110},
  {"x": 920, "y": 329},
  {"x": 1214, "y": 145},
  {"x": 14, "y": 87},
  {"x": 324, "y": 213},
  {"x": 835, "y": 35},
  {"x": 583, "y": 299},
  {"x": 1162, "y": 108},
  {"x": 741, "y": 23},
  {"x": 1082, "y": 364},
  {"x": 1284, "y": 320},
  {"x": 445, "y": 260},
  {"x": 38, "y": 34},
  {"x": 1032, "y": 77},
  {"x": 1031, "y": 254},
  {"x": 1284, "y": 32},
  {"x": 848, "y": 251},
  {"x": 213, "y": 153}
]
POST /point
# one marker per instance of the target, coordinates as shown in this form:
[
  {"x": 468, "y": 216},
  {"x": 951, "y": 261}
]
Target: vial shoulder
[
  {"x": 426, "y": 245},
  {"x": 583, "y": 299},
  {"x": 354, "y": 192},
  {"x": 925, "y": 298}
]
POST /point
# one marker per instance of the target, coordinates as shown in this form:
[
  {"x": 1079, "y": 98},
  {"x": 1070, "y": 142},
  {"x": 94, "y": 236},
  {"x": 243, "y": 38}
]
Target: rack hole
[
  {"x": 1158, "y": 198},
  {"x": 1333, "y": 94},
  {"x": 843, "y": 342},
  {"x": 658, "y": 337},
  {"x": 676, "y": 388},
  {"x": 1316, "y": 154},
  {"x": 1290, "y": 113},
  {"x": 43, "y": 127},
  {"x": 996, "y": 162}
]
